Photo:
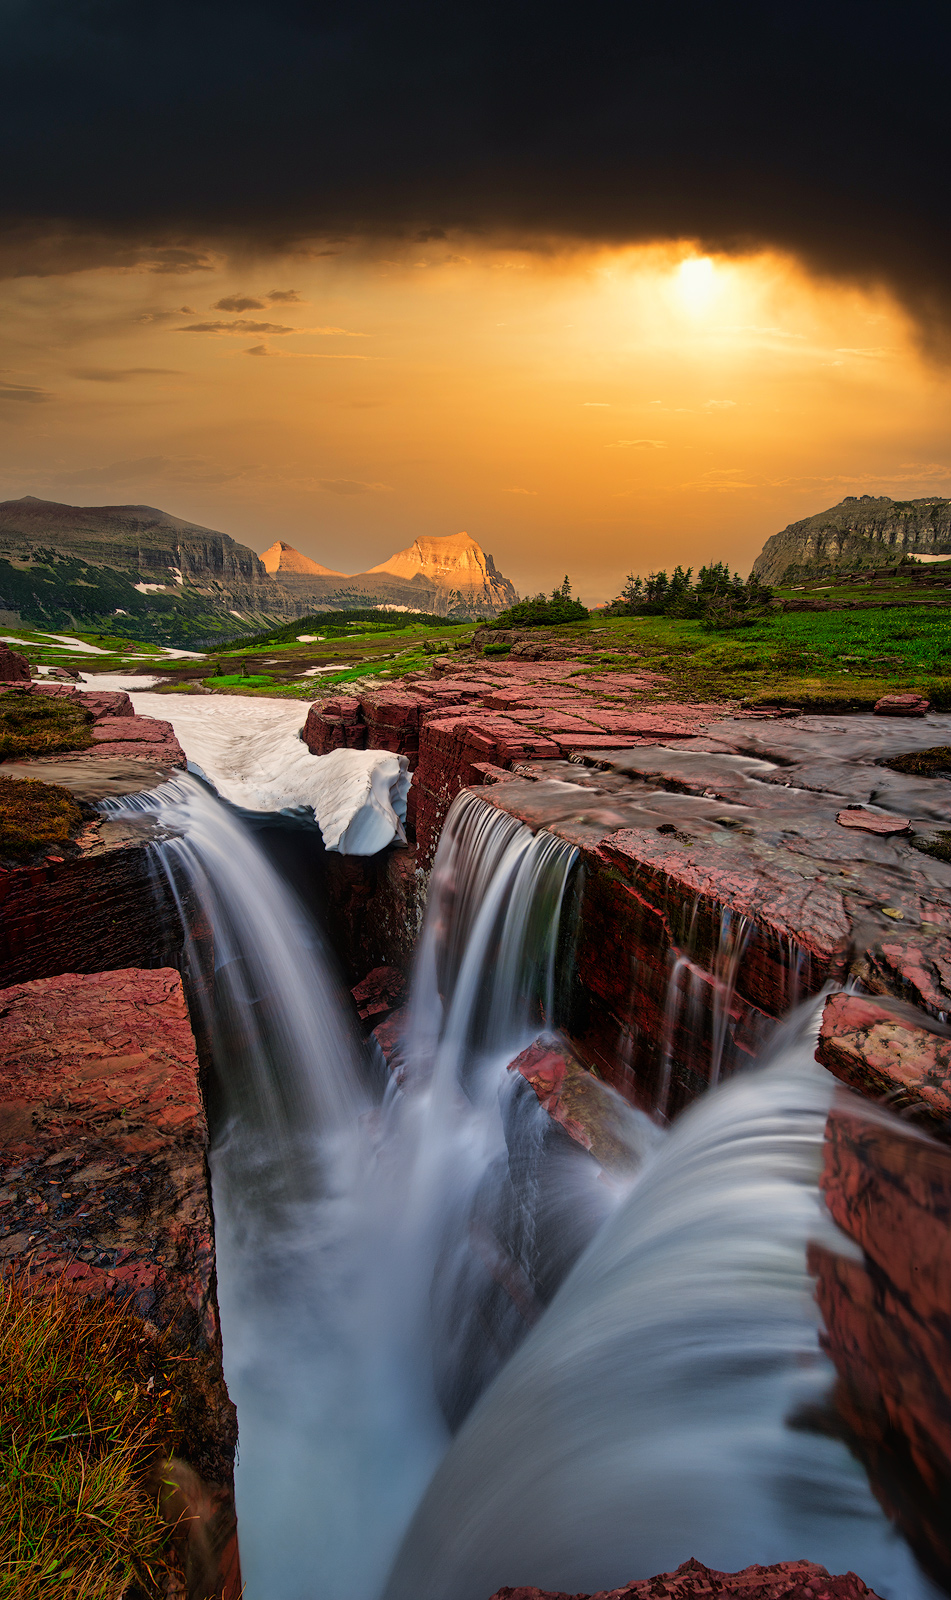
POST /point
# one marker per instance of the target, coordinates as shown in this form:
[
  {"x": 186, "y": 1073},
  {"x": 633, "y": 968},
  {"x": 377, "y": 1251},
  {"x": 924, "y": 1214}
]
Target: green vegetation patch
[
  {"x": 41, "y": 724},
  {"x": 933, "y": 763},
  {"x": 85, "y": 1408},
  {"x": 543, "y": 611},
  {"x": 245, "y": 680},
  {"x": 343, "y": 624},
  {"x": 35, "y": 817}
]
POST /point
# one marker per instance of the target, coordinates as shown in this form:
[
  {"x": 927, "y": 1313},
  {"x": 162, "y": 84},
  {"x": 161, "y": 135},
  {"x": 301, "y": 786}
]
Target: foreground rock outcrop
[
  {"x": 103, "y": 1140},
  {"x": 790, "y": 1580}
]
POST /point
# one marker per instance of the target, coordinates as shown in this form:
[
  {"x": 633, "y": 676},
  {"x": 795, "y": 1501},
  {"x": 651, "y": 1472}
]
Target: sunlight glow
[{"x": 696, "y": 283}]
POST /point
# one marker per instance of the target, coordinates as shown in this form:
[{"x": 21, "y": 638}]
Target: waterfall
[
  {"x": 378, "y": 1261},
  {"x": 646, "y": 1418},
  {"x": 459, "y": 1357}
]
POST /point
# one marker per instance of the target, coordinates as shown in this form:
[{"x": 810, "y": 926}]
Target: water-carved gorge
[{"x": 537, "y": 1253}]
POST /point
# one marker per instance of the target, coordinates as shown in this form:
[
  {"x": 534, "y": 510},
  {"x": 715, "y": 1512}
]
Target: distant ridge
[
  {"x": 139, "y": 570},
  {"x": 864, "y": 530}
]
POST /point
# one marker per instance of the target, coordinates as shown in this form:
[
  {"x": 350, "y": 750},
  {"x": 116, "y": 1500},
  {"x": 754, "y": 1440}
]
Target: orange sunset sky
[{"x": 590, "y": 411}]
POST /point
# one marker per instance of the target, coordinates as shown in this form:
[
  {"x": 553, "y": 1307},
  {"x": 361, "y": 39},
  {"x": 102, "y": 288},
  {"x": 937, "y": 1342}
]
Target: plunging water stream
[{"x": 390, "y": 1262}]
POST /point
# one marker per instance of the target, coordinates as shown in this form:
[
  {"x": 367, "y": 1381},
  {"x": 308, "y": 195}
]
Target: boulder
[
  {"x": 902, "y": 705},
  {"x": 14, "y": 668},
  {"x": 888, "y": 1058},
  {"x": 789, "y": 1580}
]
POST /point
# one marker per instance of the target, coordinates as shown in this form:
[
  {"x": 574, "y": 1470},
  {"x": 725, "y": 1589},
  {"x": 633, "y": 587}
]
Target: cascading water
[
  {"x": 389, "y": 1270},
  {"x": 646, "y": 1418},
  {"x": 376, "y": 1265}
]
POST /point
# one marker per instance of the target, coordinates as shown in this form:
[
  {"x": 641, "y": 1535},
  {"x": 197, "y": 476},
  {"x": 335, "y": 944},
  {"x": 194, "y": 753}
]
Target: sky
[{"x": 606, "y": 287}]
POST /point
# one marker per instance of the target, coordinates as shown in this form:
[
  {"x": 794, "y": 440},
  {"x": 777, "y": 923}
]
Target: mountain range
[
  {"x": 861, "y": 531},
  {"x": 143, "y": 572}
]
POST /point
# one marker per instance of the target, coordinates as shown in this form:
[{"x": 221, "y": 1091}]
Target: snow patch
[
  {"x": 149, "y": 588},
  {"x": 252, "y": 752}
]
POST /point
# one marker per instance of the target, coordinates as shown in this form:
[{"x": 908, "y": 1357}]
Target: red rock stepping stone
[
  {"x": 871, "y": 821},
  {"x": 901, "y": 705}
]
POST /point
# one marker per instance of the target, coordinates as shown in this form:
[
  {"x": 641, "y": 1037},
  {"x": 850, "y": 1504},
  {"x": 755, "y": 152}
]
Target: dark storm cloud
[{"x": 164, "y": 131}]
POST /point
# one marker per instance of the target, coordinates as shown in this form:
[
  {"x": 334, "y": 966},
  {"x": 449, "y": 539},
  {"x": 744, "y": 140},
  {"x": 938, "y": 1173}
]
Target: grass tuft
[
  {"x": 41, "y": 724},
  {"x": 84, "y": 1407},
  {"x": 33, "y": 817}
]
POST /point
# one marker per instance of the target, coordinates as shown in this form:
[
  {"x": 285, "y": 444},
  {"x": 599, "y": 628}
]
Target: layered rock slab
[{"x": 887, "y": 1319}]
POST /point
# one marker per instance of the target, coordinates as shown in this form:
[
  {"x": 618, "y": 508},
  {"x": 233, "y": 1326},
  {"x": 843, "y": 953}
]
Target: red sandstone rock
[
  {"x": 14, "y": 668},
  {"x": 789, "y": 1580},
  {"x": 886, "y": 1319},
  {"x": 902, "y": 705},
  {"x": 103, "y": 1139},
  {"x": 872, "y": 821},
  {"x": 886, "y": 1058},
  {"x": 379, "y": 993},
  {"x": 584, "y": 1107},
  {"x": 99, "y": 1104}
]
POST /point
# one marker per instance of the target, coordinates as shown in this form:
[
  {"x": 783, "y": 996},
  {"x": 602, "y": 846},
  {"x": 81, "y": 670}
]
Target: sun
[{"x": 696, "y": 283}]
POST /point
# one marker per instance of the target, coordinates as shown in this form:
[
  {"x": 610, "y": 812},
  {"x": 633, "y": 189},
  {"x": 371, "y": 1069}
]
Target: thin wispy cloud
[
  {"x": 122, "y": 374},
  {"x": 352, "y": 486},
  {"x": 637, "y": 444},
  {"x": 240, "y": 325},
  {"x": 24, "y": 393},
  {"x": 302, "y": 355}
]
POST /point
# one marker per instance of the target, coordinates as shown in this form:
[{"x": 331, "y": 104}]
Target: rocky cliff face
[
  {"x": 860, "y": 531},
  {"x": 461, "y": 571},
  {"x": 173, "y": 580},
  {"x": 84, "y": 566},
  {"x": 446, "y": 576}
]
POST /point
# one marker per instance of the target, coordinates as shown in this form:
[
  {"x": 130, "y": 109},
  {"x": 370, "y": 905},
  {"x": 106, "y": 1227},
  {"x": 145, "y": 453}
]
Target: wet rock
[
  {"x": 879, "y": 822},
  {"x": 14, "y": 668},
  {"x": 92, "y": 913},
  {"x": 789, "y": 1580},
  {"x": 888, "y": 1058},
  {"x": 887, "y": 1320},
  {"x": 379, "y": 993},
  {"x": 902, "y": 705},
  {"x": 590, "y": 1113}
]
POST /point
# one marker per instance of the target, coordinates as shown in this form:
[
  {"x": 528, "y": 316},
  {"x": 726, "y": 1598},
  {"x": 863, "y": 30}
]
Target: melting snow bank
[{"x": 251, "y": 750}]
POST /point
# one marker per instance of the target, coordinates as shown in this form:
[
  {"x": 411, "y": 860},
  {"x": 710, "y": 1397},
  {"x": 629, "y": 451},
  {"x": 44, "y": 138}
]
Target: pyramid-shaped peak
[{"x": 282, "y": 557}]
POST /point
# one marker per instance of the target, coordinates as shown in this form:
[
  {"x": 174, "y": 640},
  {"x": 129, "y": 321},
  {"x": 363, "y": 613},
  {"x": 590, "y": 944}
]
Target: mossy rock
[
  {"x": 41, "y": 724},
  {"x": 934, "y": 844},
  {"x": 933, "y": 763},
  {"x": 35, "y": 818}
]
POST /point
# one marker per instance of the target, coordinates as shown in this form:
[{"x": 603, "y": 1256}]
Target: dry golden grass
[{"x": 84, "y": 1409}]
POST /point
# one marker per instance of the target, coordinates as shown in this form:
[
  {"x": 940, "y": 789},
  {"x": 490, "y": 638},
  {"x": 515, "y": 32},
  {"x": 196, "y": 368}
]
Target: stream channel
[{"x": 463, "y": 1353}]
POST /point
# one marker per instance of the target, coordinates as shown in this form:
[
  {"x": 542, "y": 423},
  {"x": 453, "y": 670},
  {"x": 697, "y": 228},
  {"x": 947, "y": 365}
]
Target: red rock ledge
[
  {"x": 482, "y": 714},
  {"x": 790, "y": 1580},
  {"x": 116, "y": 730}
]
